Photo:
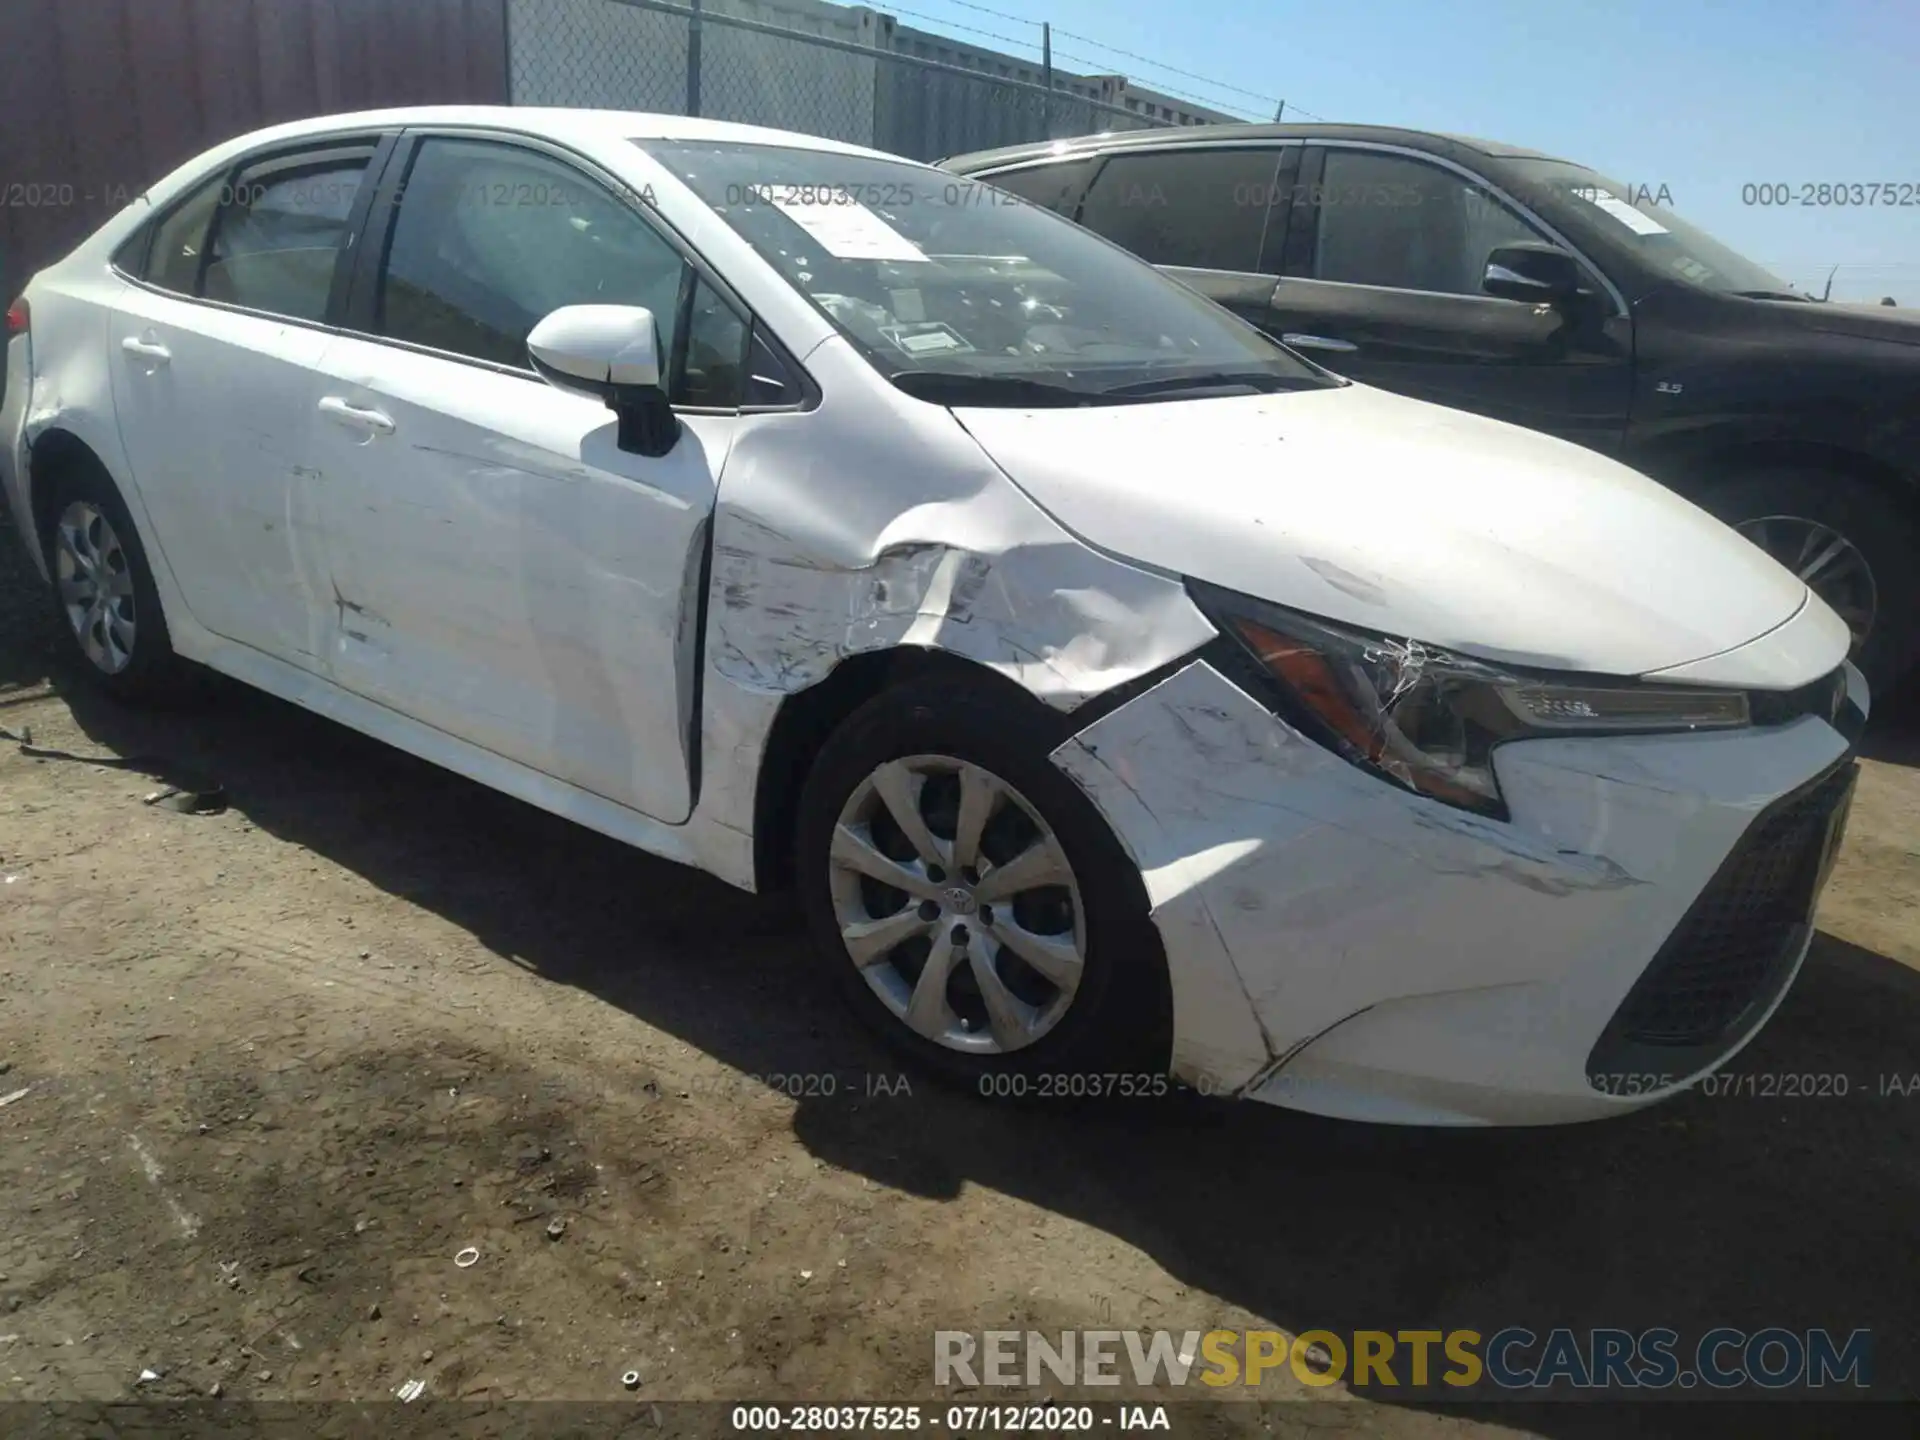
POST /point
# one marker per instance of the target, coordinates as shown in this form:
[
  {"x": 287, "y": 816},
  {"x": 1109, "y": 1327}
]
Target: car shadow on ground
[
  {"x": 1751, "y": 1208},
  {"x": 1893, "y": 737}
]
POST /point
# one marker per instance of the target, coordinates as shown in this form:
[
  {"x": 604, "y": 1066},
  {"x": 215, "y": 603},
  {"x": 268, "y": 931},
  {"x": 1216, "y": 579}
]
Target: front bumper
[{"x": 1340, "y": 946}]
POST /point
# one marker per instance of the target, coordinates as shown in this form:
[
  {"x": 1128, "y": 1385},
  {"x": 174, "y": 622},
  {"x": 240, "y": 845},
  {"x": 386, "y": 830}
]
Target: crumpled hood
[{"x": 1407, "y": 518}]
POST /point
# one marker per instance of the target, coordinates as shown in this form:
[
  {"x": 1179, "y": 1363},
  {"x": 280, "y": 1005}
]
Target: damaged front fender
[{"x": 813, "y": 568}]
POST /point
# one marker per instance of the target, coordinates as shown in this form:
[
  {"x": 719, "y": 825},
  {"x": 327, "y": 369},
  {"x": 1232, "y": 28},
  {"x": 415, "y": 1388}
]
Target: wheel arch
[
  {"x": 806, "y": 717},
  {"x": 63, "y": 449},
  {"x": 57, "y": 452},
  {"x": 1698, "y": 469}
]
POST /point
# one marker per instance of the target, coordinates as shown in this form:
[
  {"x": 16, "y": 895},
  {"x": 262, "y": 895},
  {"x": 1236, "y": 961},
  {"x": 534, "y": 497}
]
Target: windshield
[
  {"x": 1630, "y": 217},
  {"x": 962, "y": 292}
]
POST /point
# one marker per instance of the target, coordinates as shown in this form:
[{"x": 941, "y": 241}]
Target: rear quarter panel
[{"x": 68, "y": 385}]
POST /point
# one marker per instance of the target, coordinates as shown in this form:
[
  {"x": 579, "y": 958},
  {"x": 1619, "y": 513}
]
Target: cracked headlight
[{"x": 1427, "y": 719}]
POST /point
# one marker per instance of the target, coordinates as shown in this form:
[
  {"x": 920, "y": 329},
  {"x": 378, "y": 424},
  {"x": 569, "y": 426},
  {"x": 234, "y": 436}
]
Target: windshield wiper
[
  {"x": 1774, "y": 295},
  {"x": 1224, "y": 382},
  {"x": 948, "y": 387}
]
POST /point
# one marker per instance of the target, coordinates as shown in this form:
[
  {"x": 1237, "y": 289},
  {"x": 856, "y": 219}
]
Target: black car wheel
[{"x": 1852, "y": 545}]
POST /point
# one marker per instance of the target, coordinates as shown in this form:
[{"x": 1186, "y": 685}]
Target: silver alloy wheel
[
  {"x": 956, "y": 902},
  {"x": 1832, "y": 566},
  {"x": 95, "y": 578}
]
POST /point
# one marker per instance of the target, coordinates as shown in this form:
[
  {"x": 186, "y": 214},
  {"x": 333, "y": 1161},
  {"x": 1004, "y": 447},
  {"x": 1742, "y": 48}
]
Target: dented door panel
[
  {"x": 216, "y": 412},
  {"x": 502, "y": 571}
]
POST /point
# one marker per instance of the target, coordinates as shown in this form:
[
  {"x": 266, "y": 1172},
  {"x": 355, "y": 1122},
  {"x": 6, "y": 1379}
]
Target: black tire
[
  {"x": 1114, "y": 1036},
  {"x": 152, "y": 671},
  {"x": 1874, "y": 524}
]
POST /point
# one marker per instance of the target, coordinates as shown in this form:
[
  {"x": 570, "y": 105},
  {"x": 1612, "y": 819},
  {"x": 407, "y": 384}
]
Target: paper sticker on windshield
[
  {"x": 1636, "y": 221},
  {"x": 930, "y": 338},
  {"x": 848, "y": 231}
]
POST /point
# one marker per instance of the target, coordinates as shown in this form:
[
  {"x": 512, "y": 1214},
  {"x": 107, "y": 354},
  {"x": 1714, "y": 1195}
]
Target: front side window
[
  {"x": 1394, "y": 221},
  {"x": 1203, "y": 209},
  {"x": 491, "y": 238},
  {"x": 940, "y": 280},
  {"x": 279, "y": 232}
]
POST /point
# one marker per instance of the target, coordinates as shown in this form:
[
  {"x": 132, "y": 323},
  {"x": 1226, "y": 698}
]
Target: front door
[
  {"x": 501, "y": 569},
  {"x": 1382, "y": 283}
]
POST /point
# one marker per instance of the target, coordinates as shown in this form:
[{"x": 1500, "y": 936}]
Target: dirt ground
[{"x": 284, "y": 1063}]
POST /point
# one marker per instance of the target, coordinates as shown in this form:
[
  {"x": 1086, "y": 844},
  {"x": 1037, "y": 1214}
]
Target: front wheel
[
  {"x": 1852, "y": 545},
  {"x": 970, "y": 903}
]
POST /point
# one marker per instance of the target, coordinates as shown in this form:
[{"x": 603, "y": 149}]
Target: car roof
[
  {"x": 562, "y": 124},
  {"x": 1437, "y": 142}
]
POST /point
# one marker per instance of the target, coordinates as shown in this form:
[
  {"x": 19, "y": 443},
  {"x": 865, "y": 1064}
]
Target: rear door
[
  {"x": 501, "y": 570},
  {"x": 214, "y": 348},
  {"x": 1382, "y": 271},
  {"x": 1205, "y": 214}
]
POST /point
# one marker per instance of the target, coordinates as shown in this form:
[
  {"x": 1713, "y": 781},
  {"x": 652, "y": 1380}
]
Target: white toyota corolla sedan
[{"x": 1124, "y": 695}]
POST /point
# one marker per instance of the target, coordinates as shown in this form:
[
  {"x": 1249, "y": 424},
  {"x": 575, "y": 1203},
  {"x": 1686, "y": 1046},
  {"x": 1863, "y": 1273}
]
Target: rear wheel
[
  {"x": 970, "y": 903},
  {"x": 104, "y": 599},
  {"x": 1852, "y": 545}
]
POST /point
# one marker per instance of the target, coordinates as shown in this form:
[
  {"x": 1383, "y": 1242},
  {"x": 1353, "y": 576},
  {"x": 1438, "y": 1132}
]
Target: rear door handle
[
  {"x": 1318, "y": 342},
  {"x": 357, "y": 417},
  {"x": 147, "y": 349}
]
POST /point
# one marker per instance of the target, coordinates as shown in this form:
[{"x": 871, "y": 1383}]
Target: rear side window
[
  {"x": 1056, "y": 187},
  {"x": 173, "y": 261},
  {"x": 278, "y": 236},
  {"x": 1204, "y": 209},
  {"x": 491, "y": 239}
]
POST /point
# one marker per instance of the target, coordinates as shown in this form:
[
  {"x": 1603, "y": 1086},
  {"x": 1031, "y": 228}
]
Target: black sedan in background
[{"x": 1538, "y": 291}]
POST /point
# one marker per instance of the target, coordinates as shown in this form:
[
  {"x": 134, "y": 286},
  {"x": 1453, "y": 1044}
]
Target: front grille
[
  {"x": 1824, "y": 698},
  {"x": 1735, "y": 947}
]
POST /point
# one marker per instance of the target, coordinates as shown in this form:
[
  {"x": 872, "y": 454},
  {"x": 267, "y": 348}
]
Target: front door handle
[
  {"x": 357, "y": 417},
  {"x": 1318, "y": 342},
  {"x": 150, "y": 350}
]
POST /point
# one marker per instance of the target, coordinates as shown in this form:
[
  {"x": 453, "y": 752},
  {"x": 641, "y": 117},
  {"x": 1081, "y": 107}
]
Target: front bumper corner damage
[{"x": 1339, "y": 946}]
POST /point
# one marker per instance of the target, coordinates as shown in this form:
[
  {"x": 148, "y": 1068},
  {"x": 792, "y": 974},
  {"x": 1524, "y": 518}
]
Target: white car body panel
[
  {"x": 496, "y": 588},
  {"x": 811, "y": 568},
  {"x": 1409, "y": 519},
  {"x": 1372, "y": 935},
  {"x": 502, "y": 571},
  {"x": 219, "y": 436},
  {"x": 1789, "y": 655}
]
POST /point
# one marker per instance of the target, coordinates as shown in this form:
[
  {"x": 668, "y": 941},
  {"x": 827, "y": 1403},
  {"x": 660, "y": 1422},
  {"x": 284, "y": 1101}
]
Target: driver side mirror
[
  {"x": 611, "y": 352},
  {"x": 1533, "y": 272}
]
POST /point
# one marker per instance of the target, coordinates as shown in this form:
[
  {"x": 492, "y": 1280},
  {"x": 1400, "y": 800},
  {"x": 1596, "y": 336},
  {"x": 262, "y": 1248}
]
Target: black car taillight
[{"x": 19, "y": 317}]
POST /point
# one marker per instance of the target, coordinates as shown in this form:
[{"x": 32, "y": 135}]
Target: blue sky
[{"x": 1701, "y": 96}]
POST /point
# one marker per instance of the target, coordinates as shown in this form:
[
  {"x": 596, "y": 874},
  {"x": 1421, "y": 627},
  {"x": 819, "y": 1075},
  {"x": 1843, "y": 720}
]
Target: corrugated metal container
[{"x": 98, "y": 98}]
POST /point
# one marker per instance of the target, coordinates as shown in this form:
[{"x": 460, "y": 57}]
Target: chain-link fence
[{"x": 843, "y": 72}]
